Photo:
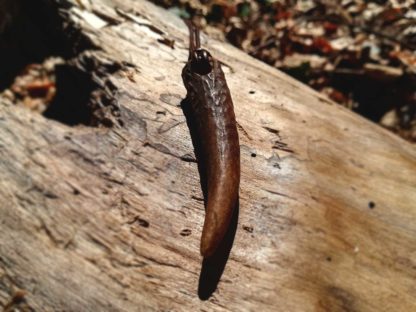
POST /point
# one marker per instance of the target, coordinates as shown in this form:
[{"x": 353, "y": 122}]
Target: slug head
[{"x": 202, "y": 62}]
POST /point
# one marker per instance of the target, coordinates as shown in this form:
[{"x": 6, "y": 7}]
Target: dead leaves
[{"x": 360, "y": 53}]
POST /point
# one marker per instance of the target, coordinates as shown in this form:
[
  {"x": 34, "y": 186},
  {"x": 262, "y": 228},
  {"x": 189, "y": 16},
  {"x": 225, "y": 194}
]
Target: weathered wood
[{"x": 109, "y": 218}]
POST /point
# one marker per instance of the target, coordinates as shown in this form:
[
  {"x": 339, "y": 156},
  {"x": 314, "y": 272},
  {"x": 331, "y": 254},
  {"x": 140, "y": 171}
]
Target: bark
[{"x": 101, "y": 207}]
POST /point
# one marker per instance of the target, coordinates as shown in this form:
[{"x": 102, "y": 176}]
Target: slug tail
[
  {"x": 212, "y": 235},
  {"x": 217, "y": 220}
]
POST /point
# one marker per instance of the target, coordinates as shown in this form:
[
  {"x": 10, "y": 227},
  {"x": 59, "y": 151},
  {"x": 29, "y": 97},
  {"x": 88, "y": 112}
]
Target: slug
[{"x": 212, "y": 111}]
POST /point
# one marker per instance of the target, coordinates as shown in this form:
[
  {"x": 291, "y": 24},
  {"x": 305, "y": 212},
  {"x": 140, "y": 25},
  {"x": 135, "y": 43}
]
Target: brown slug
[{"x": 212, "y": 112}]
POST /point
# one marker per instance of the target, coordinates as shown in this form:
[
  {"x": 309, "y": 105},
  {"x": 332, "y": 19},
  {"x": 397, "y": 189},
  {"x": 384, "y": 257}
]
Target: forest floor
[{"x": 361, "y": 54}]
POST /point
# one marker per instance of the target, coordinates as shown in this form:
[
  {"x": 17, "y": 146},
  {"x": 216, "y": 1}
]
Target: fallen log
[{"x": 100, "y": 199}]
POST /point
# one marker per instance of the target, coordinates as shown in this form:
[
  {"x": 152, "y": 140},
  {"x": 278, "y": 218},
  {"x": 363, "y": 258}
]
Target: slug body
[{"x": 212, "y": 112}]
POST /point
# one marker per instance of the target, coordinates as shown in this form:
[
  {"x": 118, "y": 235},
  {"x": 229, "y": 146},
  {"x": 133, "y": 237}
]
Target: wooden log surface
[{"x": 103, "y": 212}]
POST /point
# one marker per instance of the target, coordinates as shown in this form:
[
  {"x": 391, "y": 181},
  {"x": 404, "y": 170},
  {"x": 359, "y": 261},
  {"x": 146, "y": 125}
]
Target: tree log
[{"x": 101, "y": 207}]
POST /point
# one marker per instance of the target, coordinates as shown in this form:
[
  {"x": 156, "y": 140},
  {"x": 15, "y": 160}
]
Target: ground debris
[{"x": 360, "y": 53}]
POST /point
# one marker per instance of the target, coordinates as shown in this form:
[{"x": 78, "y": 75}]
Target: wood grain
[{"x": 108, "y": 218}]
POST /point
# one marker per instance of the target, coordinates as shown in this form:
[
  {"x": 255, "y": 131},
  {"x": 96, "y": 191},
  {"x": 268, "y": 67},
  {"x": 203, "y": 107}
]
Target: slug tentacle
[{"x": 213, "y": 113}]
